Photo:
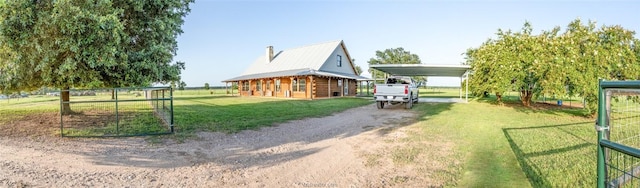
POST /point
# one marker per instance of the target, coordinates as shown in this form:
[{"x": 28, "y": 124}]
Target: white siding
[{"x": 331, "y": 65}]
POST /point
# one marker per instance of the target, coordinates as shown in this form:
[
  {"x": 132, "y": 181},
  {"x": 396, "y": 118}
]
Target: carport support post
[
  {"x": 373, "y": 75},
  {"x": 460, "y": 91},
  {"x": 367, "y": 87},
  {"x": 466, "y": 92}
]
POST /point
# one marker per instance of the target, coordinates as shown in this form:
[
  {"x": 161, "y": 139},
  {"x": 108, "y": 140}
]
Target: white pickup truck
[{"x": 396, "y": 90}]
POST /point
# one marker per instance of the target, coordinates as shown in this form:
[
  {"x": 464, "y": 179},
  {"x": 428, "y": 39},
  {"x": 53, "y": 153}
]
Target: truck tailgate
[{"x": 390, "y": 89}]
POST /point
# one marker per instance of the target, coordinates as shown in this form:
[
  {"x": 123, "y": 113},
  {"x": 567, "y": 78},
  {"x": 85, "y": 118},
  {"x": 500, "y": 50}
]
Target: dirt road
[{"x": 347, "y": 149}]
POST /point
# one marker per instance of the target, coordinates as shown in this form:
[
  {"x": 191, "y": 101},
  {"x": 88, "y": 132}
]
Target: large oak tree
[
  {"x": 393, "y": 56},
  {"x": 89, "y": 43}
]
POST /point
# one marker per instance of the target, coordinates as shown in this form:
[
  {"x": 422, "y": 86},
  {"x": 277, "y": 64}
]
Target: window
[
  {"x": 339, "y": 61},
  {"x": 245, "y": 86},
  {"x": 259, "y": 85},
  {"x": 268, "y": 86},
  {"x": 294, "y": 84},
  {"x": 302, "y": 85},
  {"x": 278, "y": 85}
]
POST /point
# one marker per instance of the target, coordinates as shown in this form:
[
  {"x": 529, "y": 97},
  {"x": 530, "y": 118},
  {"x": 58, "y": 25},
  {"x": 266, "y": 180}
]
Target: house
[{"x": 314, "y": 71}]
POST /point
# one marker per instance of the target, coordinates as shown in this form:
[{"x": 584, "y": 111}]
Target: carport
[{"x": 461, "y": 71}]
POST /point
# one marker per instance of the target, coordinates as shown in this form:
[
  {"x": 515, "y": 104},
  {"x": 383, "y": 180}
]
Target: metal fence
[
  {"x": 618, "y": 128},
  {"x": 117, "y": 112}
]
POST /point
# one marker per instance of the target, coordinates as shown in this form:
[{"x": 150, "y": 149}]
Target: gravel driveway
[{"x": 346, "y": 149}]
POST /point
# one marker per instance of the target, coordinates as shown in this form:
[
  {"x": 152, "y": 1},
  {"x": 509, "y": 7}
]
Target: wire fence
[
  {"x": 117, "y": 112},
  {"x": 619, "y": 138}
]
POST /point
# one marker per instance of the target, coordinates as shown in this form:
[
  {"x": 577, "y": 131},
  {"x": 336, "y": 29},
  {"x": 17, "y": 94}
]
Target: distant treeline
[
  {"x": 210, "y": 87},
  {"x": 442, "y": 87}
]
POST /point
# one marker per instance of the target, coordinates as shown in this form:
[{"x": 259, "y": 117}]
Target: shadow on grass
[
  {"x": 536, "y": 107},
  {"x": 521, "y": 138},
  {"x": 105, "y": 123}
]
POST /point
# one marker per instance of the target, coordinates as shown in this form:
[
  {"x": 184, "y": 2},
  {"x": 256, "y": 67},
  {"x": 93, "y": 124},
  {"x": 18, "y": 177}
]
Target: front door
[{"x": 346, "y": 87}]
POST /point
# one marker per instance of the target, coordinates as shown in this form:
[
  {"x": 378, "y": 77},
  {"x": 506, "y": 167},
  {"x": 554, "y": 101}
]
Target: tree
[
  {"x": 357, "y": 68},
  {"x": 182, "y": 85},
  {"x": 206, "y": 86},
  {"x": 393, "y": 56},
  {"x": 554, "y": 64},
  {"x": 86, "y": 43},
  {"x": 173, "y": 85}
]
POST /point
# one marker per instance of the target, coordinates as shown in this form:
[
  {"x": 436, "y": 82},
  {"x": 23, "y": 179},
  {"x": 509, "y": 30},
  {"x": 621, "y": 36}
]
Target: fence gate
[
  {"x": 117, "y": 112},
  {"x": 618, "y": 128}
]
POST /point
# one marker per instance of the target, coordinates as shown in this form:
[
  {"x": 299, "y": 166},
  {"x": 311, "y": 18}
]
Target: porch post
[
  {"x": 359, "y": 88},
  {"x": 290, "y": 87},
  {"x": 329, "y": 86},
  {"x": 342, "y": 89},
  {"x": 311, "y": 89}
]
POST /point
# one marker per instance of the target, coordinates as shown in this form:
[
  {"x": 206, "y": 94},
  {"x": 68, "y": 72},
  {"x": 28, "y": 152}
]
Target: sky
[{"x": 222, "y": 38}]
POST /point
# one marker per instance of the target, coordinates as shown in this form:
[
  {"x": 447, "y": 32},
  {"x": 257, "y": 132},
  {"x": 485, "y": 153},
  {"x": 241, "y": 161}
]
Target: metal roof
[
  {"x": 305, "y": 57},
  {"x": 301, "y": 61},
  {"x": 423, "y": 69},
  {"x": 296, "y": 72}
]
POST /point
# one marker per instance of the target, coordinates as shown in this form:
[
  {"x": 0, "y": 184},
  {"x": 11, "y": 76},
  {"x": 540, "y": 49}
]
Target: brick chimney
[{"x": 269, "y": 56}]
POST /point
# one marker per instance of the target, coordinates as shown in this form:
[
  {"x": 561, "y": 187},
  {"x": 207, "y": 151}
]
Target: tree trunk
[
  {"x": 525, "y": 97},
  {"x": 498, "y": 97},
  {"x": 66, "y": 109},
  {"x": 113, "y": 94}
]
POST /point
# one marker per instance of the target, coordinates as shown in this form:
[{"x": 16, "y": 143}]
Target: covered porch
[{"x": 304, "y": 83}]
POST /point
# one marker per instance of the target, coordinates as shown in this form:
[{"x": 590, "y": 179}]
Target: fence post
[
  {"x": 163, "y": 106},
  {"x": 117, "y": 116},
  {"x": 171, "y": 97},
  {"x": 61, "y": 121},
  {"x": 601, "y": 124}
]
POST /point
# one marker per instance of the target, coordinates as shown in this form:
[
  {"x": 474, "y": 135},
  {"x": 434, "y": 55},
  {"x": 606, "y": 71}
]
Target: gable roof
[{"x": 300, "y": 61}]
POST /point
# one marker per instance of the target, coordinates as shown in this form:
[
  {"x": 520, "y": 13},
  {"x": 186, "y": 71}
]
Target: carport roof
[{"x": 423, "y": 69}]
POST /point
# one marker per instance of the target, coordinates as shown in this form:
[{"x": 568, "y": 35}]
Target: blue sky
[{"x": 222, "y": 38}]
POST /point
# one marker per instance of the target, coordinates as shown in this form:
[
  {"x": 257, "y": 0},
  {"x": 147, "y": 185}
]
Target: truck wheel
[
  {"x": 417, "y": 97},
  {"x": 380, "y": 105},
  {"x": 409, "y": 104}
]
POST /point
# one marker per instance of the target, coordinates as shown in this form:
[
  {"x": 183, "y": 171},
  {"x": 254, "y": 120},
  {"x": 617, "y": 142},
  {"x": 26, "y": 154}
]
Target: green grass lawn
[
  {"x": 233, "y": 114},
  {"x": 435, "y": 92},
  {"x": 16, "y": 108},
  {"x": 498, "y": 145},
  {"x": 513, "y": 146},
  {"x": 194, "y": 110}
]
